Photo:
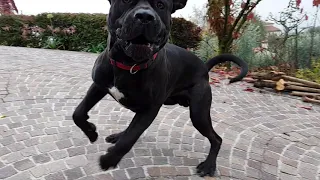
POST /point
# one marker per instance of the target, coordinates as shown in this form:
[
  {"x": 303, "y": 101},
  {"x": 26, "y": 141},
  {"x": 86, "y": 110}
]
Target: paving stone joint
[{"x": 265, "y": 135}]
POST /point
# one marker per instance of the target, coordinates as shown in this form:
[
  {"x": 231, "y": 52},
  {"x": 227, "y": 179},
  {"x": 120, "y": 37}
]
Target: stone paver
[{"x": 265, "y": 136}]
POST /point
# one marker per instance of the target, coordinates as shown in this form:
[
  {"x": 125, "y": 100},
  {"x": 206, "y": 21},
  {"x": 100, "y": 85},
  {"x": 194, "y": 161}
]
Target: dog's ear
[{"x": 178, "y": 4}]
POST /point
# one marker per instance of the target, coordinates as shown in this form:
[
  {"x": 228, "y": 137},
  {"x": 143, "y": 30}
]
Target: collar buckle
[{"x": 131, "y": 69}]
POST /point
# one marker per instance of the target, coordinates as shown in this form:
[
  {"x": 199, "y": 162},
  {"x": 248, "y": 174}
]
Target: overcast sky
[{"x": 102, "y": 6}]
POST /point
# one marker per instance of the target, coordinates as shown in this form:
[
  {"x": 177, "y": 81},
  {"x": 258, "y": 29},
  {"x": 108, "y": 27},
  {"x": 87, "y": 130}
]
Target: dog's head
[{"x": 140, "y": 28}]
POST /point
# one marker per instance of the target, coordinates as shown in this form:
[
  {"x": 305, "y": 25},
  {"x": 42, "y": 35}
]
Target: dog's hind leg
[
  {"x": 80, "y": 115},
  {"x": 200, "y": 116}
]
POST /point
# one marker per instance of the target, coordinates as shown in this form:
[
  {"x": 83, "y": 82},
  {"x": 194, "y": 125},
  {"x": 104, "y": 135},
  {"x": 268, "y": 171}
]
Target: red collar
[{"x": 134, "y": 67}]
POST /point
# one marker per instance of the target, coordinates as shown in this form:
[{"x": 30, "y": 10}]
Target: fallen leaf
[
  {"x": 221, "y": 72},
  {"x": 209, "y": 178},
  {"x": 248, "y": 80},
  {"x": 249, "y": 89},
  {"x": 304, "y": 107},
  {"x": 215, "y": 80},
  {"x": 3, "y": 116}
]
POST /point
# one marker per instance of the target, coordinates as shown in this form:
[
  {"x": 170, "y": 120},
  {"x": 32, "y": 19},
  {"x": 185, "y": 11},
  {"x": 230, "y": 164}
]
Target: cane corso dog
[{"x": 141, "y": 71}]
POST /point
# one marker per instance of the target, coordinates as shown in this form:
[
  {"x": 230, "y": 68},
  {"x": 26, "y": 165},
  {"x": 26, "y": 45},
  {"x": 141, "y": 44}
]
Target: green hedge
[{"x": 76, "y": 32}]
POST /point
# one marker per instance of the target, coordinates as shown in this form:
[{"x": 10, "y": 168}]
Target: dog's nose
[{"x": 144, "y": 15}]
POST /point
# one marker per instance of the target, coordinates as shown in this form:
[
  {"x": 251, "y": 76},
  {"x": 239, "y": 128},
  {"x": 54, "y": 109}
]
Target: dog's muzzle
[
  {"x": 145, "y": 16},
  {"x": 139, "y": 34}
]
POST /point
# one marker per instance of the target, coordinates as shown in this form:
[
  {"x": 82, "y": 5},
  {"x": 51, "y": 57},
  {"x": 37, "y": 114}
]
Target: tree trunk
[
  {"x": 296, "y": 60},
  {"x": 225, "y": 48},
  {"x": 312, "y": 39}
]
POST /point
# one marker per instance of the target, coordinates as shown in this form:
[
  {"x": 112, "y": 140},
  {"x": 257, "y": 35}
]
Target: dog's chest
[
  {"x": 138, "y": 91},
  {"x": 132, "y": 99},
  {"x": 116, "y": 94}
]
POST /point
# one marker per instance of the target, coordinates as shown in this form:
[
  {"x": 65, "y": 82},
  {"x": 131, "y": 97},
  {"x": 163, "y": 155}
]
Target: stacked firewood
[{"x": 309, "y": 91}]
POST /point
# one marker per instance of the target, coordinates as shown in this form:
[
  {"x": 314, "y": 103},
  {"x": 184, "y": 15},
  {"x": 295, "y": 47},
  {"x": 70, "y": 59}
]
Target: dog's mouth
[
  {"x": 140, "y": 43},
  {"x": 139, "y": 48},
  {"x": 140, "y": 40}
]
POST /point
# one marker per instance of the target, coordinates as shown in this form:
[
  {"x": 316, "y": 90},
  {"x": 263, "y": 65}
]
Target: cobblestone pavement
[{"x": 265, "y": 136}]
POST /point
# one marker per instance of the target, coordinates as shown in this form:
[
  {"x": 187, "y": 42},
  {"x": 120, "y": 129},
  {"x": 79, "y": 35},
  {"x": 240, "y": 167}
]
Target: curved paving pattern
[{"x": 265, "y": 135}]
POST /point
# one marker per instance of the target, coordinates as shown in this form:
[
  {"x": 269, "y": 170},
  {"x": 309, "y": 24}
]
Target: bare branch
[
  {"x": 243, "y": 20},
  {"x": 239, "y": 17}
]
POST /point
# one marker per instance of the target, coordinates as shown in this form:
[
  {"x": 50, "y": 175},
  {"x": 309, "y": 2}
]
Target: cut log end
[{"x": 280, "y": 85}]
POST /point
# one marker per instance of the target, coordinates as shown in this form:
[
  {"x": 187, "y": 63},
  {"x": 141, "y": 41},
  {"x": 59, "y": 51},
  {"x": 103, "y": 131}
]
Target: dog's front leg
[
  {"x": 128, "y": 138},
  {"x": 80, "y": 115}
]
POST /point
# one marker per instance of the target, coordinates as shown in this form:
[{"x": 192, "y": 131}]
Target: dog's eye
[
  {"x": 126, "y": 1},
  {"x": 160, "y": 5}
]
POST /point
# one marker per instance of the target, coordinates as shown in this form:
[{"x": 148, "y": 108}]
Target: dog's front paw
[
  {"x": 109, "y": 160},
  {"x": 206, "y": 168},
  {"x": 91, "y": 132},
  {"x": 113, "y": 138}
]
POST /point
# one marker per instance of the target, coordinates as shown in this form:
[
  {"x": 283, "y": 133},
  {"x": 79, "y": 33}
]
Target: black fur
[{"x": 176, "y": 76}]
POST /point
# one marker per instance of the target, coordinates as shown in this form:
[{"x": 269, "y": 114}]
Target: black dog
[{"x": 142, "y": 72}]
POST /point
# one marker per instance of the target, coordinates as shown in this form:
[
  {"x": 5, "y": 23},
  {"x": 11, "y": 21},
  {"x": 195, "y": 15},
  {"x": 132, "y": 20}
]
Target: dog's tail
[{"x": 229, "y": 57}]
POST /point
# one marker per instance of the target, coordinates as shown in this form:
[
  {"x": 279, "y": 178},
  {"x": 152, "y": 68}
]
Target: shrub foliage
[
  {"x": 312, "y": 74},
  {"x": 185, "y": 33},
  {"x": 76, "y": 32}
]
